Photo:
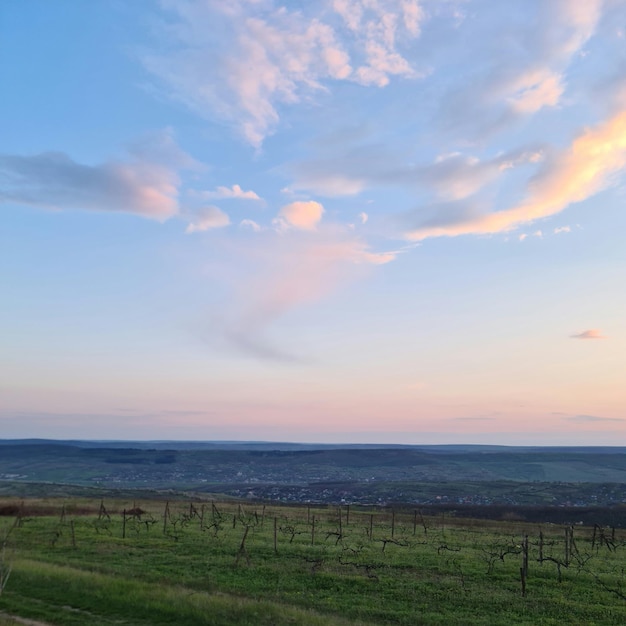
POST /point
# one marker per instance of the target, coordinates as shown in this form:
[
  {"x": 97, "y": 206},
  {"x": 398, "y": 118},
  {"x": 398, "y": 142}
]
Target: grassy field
[{"x": 81, "y": 561}]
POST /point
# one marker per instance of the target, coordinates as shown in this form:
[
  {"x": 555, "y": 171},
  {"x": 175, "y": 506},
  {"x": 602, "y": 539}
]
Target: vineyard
[{"x": 80, "y": 561}]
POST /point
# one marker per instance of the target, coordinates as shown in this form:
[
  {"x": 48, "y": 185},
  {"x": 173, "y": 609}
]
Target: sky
[{"x": 366, "y": 221}]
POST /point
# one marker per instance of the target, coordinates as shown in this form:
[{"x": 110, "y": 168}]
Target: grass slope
[{"x": 223, "y": 563}]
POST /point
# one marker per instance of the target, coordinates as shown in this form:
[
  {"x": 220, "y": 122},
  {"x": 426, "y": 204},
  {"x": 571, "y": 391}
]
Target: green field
[{"x": 73, "y": 562}]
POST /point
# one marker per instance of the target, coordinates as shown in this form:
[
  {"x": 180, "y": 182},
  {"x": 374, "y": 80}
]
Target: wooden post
[
  {"x": 523, "y": 579},
  {"x": 124, "y": 524},
  {"x": 263, "y": 516},
  {"x": 340, "y": 523},
  {"x": 313, "y": 531},
  {"x": 414, "y": 521},
  {"x": 275, "y": 546},
  {"x": 348, "y": 515},
  {"x": 202, "y": 517},
  {"x": 242, "y": 548},
  {"x": 423, "y": 523},
  {"x": 525, "y": 555},
  {"x": 166, "y": 514},
  {"x": 73, "y": 534},
  {"x": 393, "y": 523},
  {"x": 566, "y": 547},
  {"x": 541, "y": 547},
  {"x": 371, "y": 526}
]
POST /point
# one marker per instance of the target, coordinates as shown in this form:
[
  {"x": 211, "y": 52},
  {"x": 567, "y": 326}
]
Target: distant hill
[
  {"x": 174, "y": 464},
  {"x": 284, "y": 446}
]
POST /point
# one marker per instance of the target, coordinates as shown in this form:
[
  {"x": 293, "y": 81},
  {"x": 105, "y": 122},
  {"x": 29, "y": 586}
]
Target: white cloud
[
  {"x": 562, "y": 229},
  {"x": 376, "y": 25},
  {"x": 363, "y": 217},
  {"x": 207, "y": 218},
  {"x": 229, "y": 193},
  {"x": 250, "y": 224},
  {"x": 243, "y": 62}
]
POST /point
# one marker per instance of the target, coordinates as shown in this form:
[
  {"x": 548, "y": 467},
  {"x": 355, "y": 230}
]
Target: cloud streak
[
  {"x": 277, "y": 273},
  {"x": 591, "y": 419},
  {"x": 146, "y": 183},
  {"x": 53, "y": 180},
  {"x": 592, "y": 333},
  {"x": 207, "y": 218},
  {"x": 229, "y": 193},
  {"x": 451, "y": 176},
  {"x": 585, "y": 168}
]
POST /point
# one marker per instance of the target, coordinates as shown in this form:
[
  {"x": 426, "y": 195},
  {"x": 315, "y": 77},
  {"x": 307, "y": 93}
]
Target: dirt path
[{"x": 24, "y": 620}]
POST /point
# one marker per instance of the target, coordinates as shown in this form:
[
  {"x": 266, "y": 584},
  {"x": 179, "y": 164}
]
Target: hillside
[{"x": 324, "y": 473}]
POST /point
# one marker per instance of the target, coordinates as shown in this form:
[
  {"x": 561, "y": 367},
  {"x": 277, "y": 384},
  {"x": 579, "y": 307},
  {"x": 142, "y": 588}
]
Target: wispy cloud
[
  {"x": 562, "y": 229},
  {"x": 228, "y": 193},
  {"x": 277, "y": 273},
  {"x": 525, "y": 65},
  {"x": 247, "y": 223},
  {"x": 258, "y": 57},
  {"x": 472, "y": 419},
  {"x": 207, "y": 218},
  {"x": 451, "y": 176},
  {"x": 592, "y": 333},
  {"x": 568, "y": 176},
  {"x": 375, "y": 26},
  {"x": 53, "y": 180},
  {"x": 589, "y": 419}
]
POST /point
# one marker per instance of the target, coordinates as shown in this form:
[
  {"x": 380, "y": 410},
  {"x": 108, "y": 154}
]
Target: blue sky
[{"x": 350, "y": 220}]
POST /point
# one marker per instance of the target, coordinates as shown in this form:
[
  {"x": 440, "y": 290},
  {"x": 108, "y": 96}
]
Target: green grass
[
  {"x": 67, "y": 595},
  {"x": 452, "y": 573}
]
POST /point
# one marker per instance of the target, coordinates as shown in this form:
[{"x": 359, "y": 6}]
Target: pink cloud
[
  {"x": 573, "y": 175},
  {"x": 275, "y": 274},
  {"x": 592, "y": 333},
  {"x": 242, "y": 61},
  {"x": 55, "y": 181},
  {"x": 536, "y": 89},
  {"x": 208, "y": 218},
  {"x": 302, "y": 215}
]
